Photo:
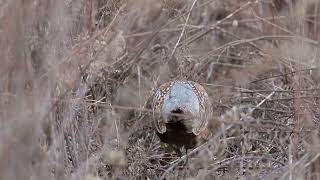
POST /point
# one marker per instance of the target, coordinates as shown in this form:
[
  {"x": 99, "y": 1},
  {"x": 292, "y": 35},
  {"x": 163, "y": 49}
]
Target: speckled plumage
[{"x": 188, "y": 99}]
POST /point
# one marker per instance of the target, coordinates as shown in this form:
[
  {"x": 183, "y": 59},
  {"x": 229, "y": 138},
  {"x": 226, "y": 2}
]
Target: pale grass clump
[{"x": 77, "y": 77}]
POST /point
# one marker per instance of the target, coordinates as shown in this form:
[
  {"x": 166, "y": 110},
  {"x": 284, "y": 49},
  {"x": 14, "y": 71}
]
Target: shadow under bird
[{"x": 181, "y": 112}]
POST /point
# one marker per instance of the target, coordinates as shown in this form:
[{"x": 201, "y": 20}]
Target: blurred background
[{"x": 76, "y": 77}]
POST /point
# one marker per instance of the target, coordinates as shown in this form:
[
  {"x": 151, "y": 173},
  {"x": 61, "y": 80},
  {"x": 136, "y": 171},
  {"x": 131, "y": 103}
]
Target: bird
[{"x": 181, "y": 112}]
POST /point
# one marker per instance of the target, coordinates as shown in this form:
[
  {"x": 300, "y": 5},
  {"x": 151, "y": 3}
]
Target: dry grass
[{"x": 76, "y": 77}]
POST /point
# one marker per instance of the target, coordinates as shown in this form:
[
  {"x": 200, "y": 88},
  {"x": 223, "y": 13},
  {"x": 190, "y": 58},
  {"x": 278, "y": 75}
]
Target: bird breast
[
  {"x": 185, "y": 97},
  {"x": 181, "y": 96}
]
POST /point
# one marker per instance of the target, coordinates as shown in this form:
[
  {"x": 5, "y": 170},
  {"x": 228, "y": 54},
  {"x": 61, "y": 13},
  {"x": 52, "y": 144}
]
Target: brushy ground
[{"x": 76, "y": 76}]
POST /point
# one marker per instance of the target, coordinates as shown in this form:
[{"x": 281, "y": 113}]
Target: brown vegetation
[{"x": 76, "y": 76}]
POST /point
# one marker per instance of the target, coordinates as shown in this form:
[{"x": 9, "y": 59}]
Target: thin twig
[
  {"x": 183, "y": 29},
  {"x": 284, "y": 74},
  {"x": 215, "y": 25}
]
